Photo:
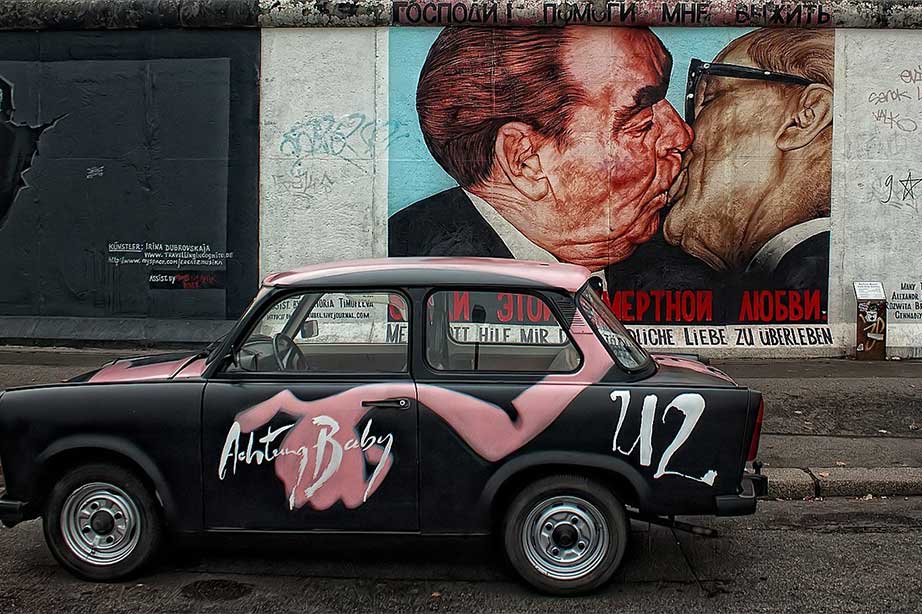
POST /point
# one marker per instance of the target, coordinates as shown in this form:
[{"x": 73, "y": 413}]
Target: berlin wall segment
[
  {"x": 130, "y": 185},
  {"x": 728, "y": 239},
  {"x": 682, "y": 261}
]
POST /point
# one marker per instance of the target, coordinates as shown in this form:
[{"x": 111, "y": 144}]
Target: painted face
[
  {"x": 610, "y": 179},
  {"x": 730, "y": 170}
]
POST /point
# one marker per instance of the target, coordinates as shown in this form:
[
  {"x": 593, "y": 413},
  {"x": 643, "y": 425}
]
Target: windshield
[
  {"x": 209, "y": 350},
  {"x": 619, "y": 341}
]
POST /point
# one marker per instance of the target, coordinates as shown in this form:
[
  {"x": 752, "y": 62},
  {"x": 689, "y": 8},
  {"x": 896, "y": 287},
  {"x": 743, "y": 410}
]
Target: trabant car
[{"x": 424, "y": 396}]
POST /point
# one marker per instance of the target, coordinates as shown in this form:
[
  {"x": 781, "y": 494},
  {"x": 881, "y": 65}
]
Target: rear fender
[{"x": 576, "y": 462}]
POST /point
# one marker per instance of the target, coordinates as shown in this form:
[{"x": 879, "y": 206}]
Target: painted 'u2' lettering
[{"x": 690, "y": 405}]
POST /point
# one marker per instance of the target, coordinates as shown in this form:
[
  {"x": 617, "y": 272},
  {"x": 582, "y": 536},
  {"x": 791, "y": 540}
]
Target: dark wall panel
[{"x": 129, "y": 173}]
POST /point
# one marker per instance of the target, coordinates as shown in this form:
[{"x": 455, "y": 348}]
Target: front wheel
[
  {"x": 566, "y": 534},
  {"x": 102, "y": 523}
]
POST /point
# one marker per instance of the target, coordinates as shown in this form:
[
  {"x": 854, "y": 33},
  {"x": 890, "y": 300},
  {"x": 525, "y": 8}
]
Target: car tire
[
  {"x": 565, "y": 534},
  {"x": 102, "y": 523}
]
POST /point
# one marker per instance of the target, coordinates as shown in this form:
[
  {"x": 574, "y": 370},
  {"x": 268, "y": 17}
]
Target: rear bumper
[
  {"x": 11, "y": 512},
  {"x": 752, "y": 487}
]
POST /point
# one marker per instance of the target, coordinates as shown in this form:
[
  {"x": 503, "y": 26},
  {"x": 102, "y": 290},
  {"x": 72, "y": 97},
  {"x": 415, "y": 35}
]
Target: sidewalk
[
  {"x": 832, "y": 427},
  {"x": 836, "y": 427}
]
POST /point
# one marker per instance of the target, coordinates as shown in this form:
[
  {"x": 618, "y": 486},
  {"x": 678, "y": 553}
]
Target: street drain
[{"x": 216, "y": 590}]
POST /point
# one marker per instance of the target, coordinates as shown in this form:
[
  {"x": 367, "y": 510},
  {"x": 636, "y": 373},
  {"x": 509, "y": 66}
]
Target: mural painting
[{"x": 693, "y": 175}]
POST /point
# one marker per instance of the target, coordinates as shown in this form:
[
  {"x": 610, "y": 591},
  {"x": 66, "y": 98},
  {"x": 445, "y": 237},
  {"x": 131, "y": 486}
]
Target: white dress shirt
[
  {"x": 521, "y": 247},
  {"x": 769, "y": 256}
]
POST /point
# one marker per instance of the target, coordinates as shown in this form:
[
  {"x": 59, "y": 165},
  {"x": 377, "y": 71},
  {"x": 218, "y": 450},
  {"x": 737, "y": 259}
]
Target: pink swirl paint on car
[{"x": 322, "y": 458}]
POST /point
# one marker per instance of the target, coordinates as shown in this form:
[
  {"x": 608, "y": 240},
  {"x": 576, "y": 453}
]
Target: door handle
[{"x": 388, "y": 404}]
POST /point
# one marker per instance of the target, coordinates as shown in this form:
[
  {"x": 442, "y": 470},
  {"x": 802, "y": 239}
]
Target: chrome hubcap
[
  {"x": 565, "y": 537},
  {"x": 100, "y": 524}
]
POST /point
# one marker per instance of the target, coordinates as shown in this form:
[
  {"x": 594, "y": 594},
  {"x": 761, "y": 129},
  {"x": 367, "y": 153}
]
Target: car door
[
  {"x": 314, "y": 425},
  {"x": 497, "y": 371}
]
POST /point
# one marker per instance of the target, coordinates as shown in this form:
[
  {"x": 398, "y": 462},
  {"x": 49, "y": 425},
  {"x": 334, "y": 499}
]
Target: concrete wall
[
  {"x": 323, "y": 175},
  {"x": 129, "y": 189},
  {"x": 877, "y": 159},
  {"x": 342, "y": 148},
  {"x": 334, "y": 163}
]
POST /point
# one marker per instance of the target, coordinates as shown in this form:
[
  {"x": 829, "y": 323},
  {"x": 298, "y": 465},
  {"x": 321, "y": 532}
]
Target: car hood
[
  {"x": 679, "y": 371},
  {"x": 142, "y": 368}
]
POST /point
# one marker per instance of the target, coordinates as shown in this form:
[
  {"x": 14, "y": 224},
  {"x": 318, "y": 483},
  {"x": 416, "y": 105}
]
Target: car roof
[{"x": 435, "y": 271}]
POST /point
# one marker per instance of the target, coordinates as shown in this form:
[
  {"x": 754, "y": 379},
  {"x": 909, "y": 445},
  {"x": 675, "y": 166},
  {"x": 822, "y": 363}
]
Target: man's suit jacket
[
  {"x": 657, "y": 265},
  {"x": 448, "y": 224},
  {"x": 445, "y": 224}
]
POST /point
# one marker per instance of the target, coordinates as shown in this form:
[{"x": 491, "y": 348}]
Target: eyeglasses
[{"x": 698, "y": 69}]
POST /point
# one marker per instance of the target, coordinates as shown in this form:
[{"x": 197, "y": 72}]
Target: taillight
[{"x": 756, "y": 433}]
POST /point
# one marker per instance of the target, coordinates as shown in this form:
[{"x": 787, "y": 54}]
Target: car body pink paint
[
  {"x": 693, "y": 365},
  {"x": 126, "y": 370},
  {"x": 331, "y": 422},
  {"x": 569, "y": 277},
  {"x": 486, "y": 428}
]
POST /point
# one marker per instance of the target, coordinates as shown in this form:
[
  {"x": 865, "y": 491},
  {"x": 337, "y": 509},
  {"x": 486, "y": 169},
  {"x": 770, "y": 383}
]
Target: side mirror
[
  {"x": 309, "y": 329},
  {"x": 596, "y": 284},
  {"x": 245, "y": 360}
]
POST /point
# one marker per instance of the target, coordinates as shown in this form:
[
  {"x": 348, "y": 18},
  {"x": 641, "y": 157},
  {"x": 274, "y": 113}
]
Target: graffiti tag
[
  {"x": 304, "y": 182},
  {"x": 349, "y": 137},
  {"x": 900, "y": 193},
  {"x": 690, "y": 405},
  {"x": 894, "y": 121}
]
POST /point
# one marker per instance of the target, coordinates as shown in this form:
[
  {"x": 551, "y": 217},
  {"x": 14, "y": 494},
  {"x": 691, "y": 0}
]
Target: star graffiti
[{"x": 909, "y": 185}]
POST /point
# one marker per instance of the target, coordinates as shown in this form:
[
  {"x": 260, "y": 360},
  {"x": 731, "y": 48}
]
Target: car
[{"x": 417, "y": 396}]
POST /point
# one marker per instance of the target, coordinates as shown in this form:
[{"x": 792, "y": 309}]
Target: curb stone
[
  {"x": 794, "y": 483},
  {"x": 858, "y": 482},
  {"x": 789, "y": 483}
]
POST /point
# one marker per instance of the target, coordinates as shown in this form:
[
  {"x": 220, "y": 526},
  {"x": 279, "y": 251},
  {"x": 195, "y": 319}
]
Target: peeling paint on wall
[{"x": 156, "y": 14}]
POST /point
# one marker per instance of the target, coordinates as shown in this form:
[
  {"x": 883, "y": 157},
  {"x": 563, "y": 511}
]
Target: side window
[
  {"x": 332, "y": 332},
  {"x": 496, "y": 331}
]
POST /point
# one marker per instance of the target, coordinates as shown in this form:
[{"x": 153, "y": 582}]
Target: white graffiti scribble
[
  {"x": 350, "y": 137},
  {"x": 690, "y": 405}
]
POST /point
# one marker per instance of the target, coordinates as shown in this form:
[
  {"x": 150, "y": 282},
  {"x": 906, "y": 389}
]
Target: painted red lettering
[
  {"x": 533, "y": 308},
  {"x": 507, "y": 307},
  {"x": 812, "y": 305},
  {"x": 460, "y": 306},
  {"x": 643, "y": 304},
  {"x": 781, "y": 309}
]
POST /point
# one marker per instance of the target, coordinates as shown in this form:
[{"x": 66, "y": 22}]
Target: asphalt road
[{"x": 812, "y": 556}]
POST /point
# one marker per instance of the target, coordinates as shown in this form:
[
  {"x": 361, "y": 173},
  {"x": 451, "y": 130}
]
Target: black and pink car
[{"x": 417, "y": 396}]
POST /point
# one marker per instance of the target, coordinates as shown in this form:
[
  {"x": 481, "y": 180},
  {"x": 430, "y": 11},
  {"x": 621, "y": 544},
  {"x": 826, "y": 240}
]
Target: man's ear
[
  {"x": 516, "y": 150},
  {"x": 811, "y": 114}
]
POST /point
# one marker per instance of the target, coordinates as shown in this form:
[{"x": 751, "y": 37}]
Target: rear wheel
[
  {"x": 566, "y": 534},
  {"x": 102, "y": 523}
]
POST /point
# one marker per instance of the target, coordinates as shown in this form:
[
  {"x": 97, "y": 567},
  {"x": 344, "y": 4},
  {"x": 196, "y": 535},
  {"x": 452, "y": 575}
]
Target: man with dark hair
[{"x": 561, "y": 141}]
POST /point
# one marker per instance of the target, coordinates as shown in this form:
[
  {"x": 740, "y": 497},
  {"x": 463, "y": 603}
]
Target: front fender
[{"x": 111, "y": 446}]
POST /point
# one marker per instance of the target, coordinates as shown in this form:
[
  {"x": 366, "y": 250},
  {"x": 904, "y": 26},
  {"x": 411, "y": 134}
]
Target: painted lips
[{"x": 677, "y": 190}]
